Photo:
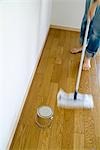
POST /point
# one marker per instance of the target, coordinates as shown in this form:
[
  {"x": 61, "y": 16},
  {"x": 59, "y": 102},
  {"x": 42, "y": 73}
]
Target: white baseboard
[
  {"x": 26, "y": 94},
  {"x": 65, "y": 28}
]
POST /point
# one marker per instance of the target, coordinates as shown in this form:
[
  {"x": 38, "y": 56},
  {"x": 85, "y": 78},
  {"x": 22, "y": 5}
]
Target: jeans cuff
[{"x": 89, "y": 55}]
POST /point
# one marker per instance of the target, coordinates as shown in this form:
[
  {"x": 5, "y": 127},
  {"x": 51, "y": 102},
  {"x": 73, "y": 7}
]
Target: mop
[{"x": 76, "y": 99}]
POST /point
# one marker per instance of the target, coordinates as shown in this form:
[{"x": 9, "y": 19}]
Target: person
[{"x": 93, "y": 41}]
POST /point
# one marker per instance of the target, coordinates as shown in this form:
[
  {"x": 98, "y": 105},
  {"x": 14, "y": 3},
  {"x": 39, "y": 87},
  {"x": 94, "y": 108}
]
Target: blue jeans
[{"x": 93, "y": 41}]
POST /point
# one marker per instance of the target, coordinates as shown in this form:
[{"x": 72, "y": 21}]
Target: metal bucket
[{"x": 44, "y": 116}]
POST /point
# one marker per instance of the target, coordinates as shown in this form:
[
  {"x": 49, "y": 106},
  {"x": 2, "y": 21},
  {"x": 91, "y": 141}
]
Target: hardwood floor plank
[
  {"x": 79, "y": 122},
  {"x": 68, "y": 130},
  {"x": 78, "y": 141},
  {"x": 89, "y": 130},
  {"x": 98, "y": 143},
  {"x": 55, "y": 141}
]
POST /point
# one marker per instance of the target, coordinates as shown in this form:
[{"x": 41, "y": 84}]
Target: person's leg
[
  {"x": 83, "y": 28},
  {"x": 91, "y": 50},
  {"x": 82, "y": 34}
]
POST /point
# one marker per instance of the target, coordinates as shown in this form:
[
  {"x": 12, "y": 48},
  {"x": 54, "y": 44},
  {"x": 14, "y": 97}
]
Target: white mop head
[{"x": 67, "y": 100}]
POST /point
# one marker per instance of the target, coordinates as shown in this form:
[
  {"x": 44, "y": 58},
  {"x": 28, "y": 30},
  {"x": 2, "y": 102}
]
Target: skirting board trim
[{"x": 65, "y": 28}]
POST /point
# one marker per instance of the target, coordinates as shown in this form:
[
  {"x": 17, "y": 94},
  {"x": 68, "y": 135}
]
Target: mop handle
[{"x": 82, "y": 56}]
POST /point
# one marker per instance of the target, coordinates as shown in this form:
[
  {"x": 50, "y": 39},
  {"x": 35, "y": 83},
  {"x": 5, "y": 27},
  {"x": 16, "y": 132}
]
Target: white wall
[
  {"x": 23, "y": 29},
  {"x": 68, "y": 13},
  {"x": 45, "y": 19}
]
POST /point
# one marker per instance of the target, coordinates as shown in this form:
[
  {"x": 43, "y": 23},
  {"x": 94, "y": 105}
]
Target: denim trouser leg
[
  {"x": 93, "y": 37},
  {"x": 93, "y": 41},
  {"x": 84, "y": 22},
  {"x": 83, "y": 29},
  {"x": 93, "y": 45}
]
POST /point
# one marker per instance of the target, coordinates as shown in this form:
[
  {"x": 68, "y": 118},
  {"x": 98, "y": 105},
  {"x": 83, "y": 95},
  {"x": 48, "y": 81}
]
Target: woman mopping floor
[{"x": 90, "y": 41}]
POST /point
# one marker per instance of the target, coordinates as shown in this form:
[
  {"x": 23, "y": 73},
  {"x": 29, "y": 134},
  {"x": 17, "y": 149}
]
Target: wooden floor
[{"x": 71, "y": 129}]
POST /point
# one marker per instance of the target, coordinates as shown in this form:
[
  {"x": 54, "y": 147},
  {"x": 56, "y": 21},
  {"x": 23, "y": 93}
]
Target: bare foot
[
  {"x": 76, "y": 50},
  {"x": 86, "y": 65}
]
